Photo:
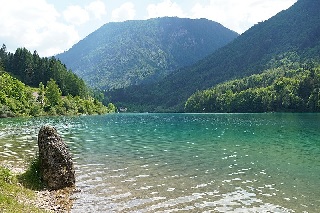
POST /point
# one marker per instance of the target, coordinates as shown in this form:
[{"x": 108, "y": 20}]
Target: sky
[{"x": 54, "y": 26}]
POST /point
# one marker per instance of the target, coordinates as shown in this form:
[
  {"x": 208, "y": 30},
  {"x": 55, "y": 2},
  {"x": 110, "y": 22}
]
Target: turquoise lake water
[{"x": 183, "y": 162}]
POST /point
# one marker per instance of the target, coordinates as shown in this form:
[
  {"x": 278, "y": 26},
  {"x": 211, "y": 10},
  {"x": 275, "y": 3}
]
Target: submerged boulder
[{"x": 56, "y": 165}]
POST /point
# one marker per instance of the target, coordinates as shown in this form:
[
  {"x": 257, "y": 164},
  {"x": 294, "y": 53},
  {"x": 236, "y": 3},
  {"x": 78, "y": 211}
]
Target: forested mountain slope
[
  {"x": 296, "y": 29},
  {"x": 35, "y": 86},
  {"x": 118, "y": 55},
  {"x": 291, "y": 87},
  {"x": 32, "y": 69}
]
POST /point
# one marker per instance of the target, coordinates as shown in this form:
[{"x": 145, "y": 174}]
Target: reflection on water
[{"x": 184, "y": 162}]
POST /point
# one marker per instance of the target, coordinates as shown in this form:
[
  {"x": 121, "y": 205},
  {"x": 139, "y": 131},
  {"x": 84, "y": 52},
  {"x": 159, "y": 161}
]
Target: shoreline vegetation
[
  {"x": 31, "y": 86},
  {"x": 42, "y": 184},
  {"x": 18, "y": 99},
  {"x": 35, "y": 86},
  {"x": 24, "y": 188},
  {"x": 289, "y": 86},
  {"x": 22, "y": 191}
]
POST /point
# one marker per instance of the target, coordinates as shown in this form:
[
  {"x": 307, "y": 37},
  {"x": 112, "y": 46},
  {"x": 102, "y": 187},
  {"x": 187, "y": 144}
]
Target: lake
[{"x": 183, "y": 162}]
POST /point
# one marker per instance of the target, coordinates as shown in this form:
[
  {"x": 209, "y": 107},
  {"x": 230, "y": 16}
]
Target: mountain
[
  {"x": 118, "y": 55},
  {"x": 290, "y": 87},
  {"x": 296, "y": 29}
]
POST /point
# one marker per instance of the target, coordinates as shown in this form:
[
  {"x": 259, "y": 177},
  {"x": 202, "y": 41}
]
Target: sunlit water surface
[{"x": 183, "y": 162}]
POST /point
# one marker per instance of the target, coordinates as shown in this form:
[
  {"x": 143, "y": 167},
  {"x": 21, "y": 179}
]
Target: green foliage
[
  {"x": 140, "y": 52},
  {"x": 41, "y": 94},
  {"x": 291, "y": 87},
  {"x": 16, "y": 99},
  {"x": 13, "y": 196},
  {"x": 5, "y": 112},
  {"x": 260, "y": 48},
  {"x": 111, "y": 108},
  {"x": 5, "y": 175},
  {"x": 52, "y": 94},
  {"x": 31, "y": 69},
  {"x": 31, "y": 178}
]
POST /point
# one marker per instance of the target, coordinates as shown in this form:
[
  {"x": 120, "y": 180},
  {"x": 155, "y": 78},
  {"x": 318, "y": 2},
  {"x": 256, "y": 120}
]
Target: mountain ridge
[
  {"x": 294, "y": 29},
  {"x": 139, "y": 52}
]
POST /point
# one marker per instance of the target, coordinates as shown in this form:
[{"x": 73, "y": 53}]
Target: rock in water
[{"x": 56, "y": 164}]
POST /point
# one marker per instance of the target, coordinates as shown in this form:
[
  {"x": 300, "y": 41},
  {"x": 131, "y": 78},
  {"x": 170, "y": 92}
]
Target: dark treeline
[
  {"x": 32, "y": 69},
  {"x": 296, "y": 29},
  {"x": 34, "y": 86},
  {"x": 288, "y": 87}
]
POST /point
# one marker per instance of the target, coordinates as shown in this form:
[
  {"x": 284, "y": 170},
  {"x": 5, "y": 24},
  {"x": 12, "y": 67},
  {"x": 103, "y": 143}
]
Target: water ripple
[{"x": 184, "y": 162}]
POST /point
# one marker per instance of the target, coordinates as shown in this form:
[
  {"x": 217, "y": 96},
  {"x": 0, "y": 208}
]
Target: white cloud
[
  {"x": 239, "y": 15},
  {"x": 37, "y": 25},
  {"x": 34, "y": 24},
  {"x": 96, "y": 8},
  {"x": 56, "y": 39},
  {"x": 165, "y": 8},
  {"x": 76, "y": 15},
  {"x": 125, "y": 12}
]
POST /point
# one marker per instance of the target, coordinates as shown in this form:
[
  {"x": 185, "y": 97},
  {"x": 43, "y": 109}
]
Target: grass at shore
[
  {"x": 14, "y": 197},
  {"x": 31, "y": 179}
]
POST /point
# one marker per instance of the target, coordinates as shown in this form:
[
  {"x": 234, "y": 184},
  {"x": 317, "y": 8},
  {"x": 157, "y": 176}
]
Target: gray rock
[{"x": 56, "y": 164}]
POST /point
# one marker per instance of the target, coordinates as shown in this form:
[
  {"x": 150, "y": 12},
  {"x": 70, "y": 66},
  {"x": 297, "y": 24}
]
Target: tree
[
  {"x": 111, "y": 108},
  {"x": 53, "y": 94},
  {"x": 314, "y": 100},
  {"x": 41, "y": 94},
  {"x": 3, "y": 55}
]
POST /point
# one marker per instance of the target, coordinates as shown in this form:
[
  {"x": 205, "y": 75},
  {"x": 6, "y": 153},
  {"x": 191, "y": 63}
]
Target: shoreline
[
  {"x": 59, "y": 201},
  {"x": 20, "y": 177}
]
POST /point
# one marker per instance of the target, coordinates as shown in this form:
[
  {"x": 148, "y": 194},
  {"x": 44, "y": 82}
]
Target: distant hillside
[
  {"x": 136, "y": 52},
  {"x": 296, "y": 29},
  {"x": 291, "y": 87}
]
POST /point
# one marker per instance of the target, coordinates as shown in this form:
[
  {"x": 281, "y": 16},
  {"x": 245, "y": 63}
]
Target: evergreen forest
[
  {"x": 176, "y": 65},
  {"x": 291, "y": 35},
  {"x": 290, "y": 87},
  {"x": 35, "y": 86}
]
